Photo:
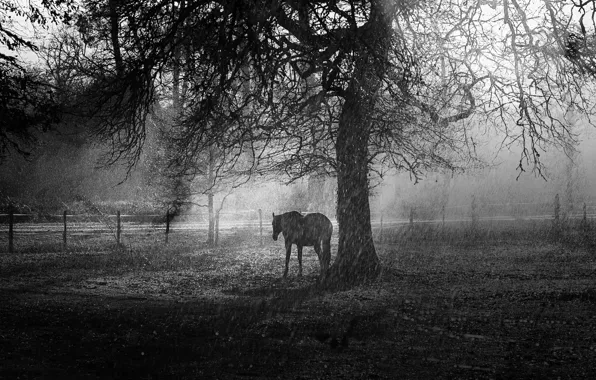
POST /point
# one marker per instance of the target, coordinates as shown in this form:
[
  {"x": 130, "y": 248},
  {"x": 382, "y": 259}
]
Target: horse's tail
[{"x": 327, "y": 244}]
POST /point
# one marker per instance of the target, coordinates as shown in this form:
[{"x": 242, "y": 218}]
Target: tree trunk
[
  {"x": 210, "y": 207},
  {"x": 114, "y": 31},
  {"x": 356, "y": 255},
  {"x": 211, "y": 229},
  {"x": 216, "y": 241},
  {"x": 357, "y": 260}
]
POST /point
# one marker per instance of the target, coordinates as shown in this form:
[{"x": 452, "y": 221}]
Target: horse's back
[
  {"x": 291, "y": 215},
  {"x": 308, "y": 230},
  {"x": 318, "y": 226}
]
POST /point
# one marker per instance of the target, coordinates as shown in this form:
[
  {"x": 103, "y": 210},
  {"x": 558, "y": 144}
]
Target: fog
[
  {"x": 499, "y": 188},
  {"x": 63, "y": 173}
]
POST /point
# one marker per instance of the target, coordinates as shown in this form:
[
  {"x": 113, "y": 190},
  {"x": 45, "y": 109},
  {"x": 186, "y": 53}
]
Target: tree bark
[
  {"x": 357, "y": 260},
  {"x": 211, "y": 229},
  {"x": 216, "y": 241},
  {"x": 114, "y": 31}
]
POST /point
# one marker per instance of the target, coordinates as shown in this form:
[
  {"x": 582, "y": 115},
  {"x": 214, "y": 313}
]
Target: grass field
[{"x": 466, "y": 303}]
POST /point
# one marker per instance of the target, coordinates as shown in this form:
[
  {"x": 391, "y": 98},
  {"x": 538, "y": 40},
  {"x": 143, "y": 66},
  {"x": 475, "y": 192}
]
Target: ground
[{"x": 490, "y": 309}]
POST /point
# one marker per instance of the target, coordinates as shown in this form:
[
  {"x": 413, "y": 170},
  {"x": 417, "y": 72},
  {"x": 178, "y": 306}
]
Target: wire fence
[
  {"x": 80, "y": 225},
  {"x": 250, "y": 223}
]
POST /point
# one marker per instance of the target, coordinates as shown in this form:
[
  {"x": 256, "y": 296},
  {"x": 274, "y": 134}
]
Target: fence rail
[
  {"x": 116, "y": 224},
  {"x": 102, "y": 223}
]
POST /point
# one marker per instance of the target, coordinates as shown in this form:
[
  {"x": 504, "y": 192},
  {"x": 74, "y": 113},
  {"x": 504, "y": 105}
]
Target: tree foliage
[
  {"x": 274, "y": 72},
  {"x": 26, "y": 99}
]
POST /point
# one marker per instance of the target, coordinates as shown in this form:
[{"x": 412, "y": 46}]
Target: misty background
[{"x": 65, "y": 172}]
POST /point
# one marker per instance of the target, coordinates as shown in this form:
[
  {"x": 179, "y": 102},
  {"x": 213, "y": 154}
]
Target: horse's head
[{"x": 276, "y": 226}]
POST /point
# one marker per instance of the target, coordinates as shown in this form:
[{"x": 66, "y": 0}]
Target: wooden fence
[
  {"x": 474, "y": 213},
  {"x": 116, "y": 226},
  {"x": 253, "y": 219}
]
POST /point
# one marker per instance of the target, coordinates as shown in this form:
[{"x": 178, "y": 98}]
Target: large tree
[{"x": 341, "y": 86}]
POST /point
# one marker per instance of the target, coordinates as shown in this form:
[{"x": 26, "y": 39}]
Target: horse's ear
[{"x": 273, "y": 214}]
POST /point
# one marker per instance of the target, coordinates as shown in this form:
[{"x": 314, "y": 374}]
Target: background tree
[
  {"x": 27, "y": 104},
  {"x": 342, "y": 87}
]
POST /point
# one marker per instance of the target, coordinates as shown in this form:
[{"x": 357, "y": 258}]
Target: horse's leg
[
  {"x": 299, "y": 260},
  {"x": 325, "y": 256},
  {"x": 320, "y": 256},
  {"x": 288, "y": 251}
]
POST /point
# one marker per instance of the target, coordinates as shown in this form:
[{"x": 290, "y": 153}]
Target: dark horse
[{"x": 312, "y": 230}]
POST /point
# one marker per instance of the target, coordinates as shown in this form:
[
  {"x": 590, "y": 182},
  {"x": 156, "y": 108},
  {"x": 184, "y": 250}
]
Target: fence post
[
  {"x": 557, "y": 220},
  {"x": 585, "y": 220},
  {"x": 167, "y": 224},
  {"x": 64, "y": 231},
  {"x": 411, "y": 216},
  {"x": 261, "y": 226},
  {"x": 381, "y": 231},
  {"x": 557, "y": 209},
  {"x": 474, "y": 213},
  {"x": 10, "y": 231},
  {"x": 118, "y": 230}
]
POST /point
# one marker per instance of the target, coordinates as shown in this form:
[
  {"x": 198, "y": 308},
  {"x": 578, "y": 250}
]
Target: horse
[{"x": 312, "y": 230}]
